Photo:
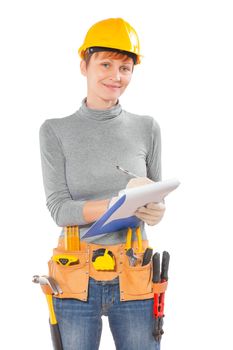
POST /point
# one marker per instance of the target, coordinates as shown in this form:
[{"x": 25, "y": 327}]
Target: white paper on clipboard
[
  {"x": 140, "y": 196},
  {"x": 121, "y": 214}
]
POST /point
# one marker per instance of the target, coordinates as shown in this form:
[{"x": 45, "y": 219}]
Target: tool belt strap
[
  {"x": 160, "y": 287},
  {"x": 118, "y": 251},
  {"x": 46, "y": 289},
  {"x": 135, "y": 282}
]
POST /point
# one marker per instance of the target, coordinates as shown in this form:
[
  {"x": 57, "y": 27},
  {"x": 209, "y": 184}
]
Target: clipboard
[{"x": 120, "y": 215}]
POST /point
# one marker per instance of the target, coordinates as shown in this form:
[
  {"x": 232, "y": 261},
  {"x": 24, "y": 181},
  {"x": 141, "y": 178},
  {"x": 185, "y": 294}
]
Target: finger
[
  {"x": 140, "y": 181},
  {"x": 146, "y": 217},
  {"x": 152, "y": 223},
  {"x": 158, "y": 206},
  {"x": 150, "y": 211},
  {"x": 148, "y": 221}
]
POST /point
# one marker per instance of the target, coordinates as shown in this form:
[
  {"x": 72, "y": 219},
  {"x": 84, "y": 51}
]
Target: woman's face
[{"x": 107, "y": 78}]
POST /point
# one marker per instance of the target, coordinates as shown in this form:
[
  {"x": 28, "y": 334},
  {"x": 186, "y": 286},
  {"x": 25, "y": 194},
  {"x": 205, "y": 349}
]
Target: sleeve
[
  {"x": 64, "y": 210},
  {"x": 154, "y": 154}
]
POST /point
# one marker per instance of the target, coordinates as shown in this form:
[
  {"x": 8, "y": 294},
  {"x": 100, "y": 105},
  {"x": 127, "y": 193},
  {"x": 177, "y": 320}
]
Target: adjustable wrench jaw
[{"x": 132, "y": 258}]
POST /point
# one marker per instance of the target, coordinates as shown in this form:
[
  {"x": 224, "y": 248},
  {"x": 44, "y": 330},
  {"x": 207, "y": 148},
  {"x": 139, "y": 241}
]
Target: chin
[{"x": 110, "y": 97}]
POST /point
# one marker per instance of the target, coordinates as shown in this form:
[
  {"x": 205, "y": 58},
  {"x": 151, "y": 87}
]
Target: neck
[{"x": 99, "y": 103}]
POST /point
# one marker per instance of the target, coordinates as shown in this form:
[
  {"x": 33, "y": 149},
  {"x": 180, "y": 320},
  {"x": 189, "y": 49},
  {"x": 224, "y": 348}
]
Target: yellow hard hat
[{"x": 112, "y": 33}]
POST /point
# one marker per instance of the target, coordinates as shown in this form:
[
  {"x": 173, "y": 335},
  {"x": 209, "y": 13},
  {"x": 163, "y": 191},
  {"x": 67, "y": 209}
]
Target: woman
[{"x": 79, "y": 155}]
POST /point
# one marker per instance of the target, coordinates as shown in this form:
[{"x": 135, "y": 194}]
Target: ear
[{"x": 83, "y": 68}]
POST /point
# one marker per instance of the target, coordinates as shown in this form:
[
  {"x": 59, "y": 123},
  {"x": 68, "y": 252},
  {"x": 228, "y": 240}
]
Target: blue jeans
[{"x": 80, "y": 322}]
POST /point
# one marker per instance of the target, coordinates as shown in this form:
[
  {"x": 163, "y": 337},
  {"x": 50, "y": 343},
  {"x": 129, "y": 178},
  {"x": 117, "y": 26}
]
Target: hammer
[{"x": 50, "y": 287}]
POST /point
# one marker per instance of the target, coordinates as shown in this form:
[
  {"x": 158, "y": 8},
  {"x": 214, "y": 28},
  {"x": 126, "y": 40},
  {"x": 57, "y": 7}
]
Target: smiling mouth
[{"x": 112, "y": 86}]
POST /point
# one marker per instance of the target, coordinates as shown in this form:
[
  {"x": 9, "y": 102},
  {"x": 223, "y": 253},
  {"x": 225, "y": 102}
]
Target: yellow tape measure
[
  {"x": 65, "y": 260},
  {"x": 103, "y": 259}
]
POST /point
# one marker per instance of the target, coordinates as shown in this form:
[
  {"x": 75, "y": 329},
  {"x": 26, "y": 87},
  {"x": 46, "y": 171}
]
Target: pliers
[{"x": 128, "y": 244}]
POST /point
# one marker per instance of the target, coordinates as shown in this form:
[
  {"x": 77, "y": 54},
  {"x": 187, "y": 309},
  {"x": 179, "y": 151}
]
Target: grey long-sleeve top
[{"x": 79, "y": 154}]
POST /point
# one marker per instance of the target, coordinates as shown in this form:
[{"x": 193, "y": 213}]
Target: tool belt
[
  {"x": 73, "y": 262},
  {"x": 72, "y": 274}
]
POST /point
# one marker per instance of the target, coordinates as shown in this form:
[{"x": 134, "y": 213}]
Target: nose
[{"x": 115, "y": 74}]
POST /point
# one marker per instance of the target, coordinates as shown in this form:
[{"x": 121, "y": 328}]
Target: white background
[{"x": 186, "y": 82}]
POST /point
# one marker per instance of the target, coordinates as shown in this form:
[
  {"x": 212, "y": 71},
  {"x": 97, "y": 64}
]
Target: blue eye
[{"x": 105, "y": 64}]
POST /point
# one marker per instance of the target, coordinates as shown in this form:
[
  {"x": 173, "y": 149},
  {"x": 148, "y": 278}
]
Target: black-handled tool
[
  {"x": 147, "y": 256},
  {"x": 156, "y": 268},
  {"x": 165, "y": 265}
]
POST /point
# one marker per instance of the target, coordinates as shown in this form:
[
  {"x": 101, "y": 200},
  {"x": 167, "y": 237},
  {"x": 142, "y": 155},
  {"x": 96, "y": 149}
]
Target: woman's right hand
[
  {"x": 139, "y": 181},
  {"x": 135, "y": 182}
]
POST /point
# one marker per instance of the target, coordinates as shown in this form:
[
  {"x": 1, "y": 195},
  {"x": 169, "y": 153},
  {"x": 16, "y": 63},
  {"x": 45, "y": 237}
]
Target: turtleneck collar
[{"x": 100, "y": 114}]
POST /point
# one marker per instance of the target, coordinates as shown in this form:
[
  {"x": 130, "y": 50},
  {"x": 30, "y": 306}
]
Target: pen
[{"x": 126, "y": 171}]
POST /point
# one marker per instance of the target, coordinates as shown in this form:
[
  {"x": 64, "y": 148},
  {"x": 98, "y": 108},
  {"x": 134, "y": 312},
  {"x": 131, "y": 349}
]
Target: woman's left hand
[{"x": 151, "y": 214}]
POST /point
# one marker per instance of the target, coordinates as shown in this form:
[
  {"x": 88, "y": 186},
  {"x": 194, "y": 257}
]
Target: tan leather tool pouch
[
  {"x": 135, "y": 282},
  {"x": 74, "y": 279}
]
